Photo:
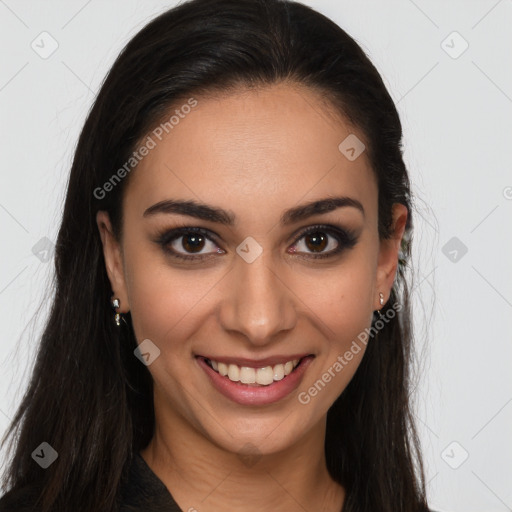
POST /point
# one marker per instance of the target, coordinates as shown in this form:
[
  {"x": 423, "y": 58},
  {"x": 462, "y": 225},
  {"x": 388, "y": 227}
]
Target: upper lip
[{"x": 256, "y": 363}]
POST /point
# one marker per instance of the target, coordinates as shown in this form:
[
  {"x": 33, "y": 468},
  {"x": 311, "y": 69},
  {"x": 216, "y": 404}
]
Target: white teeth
[
  {"x": 223, "y": 368},
  {"x": 234, "y": 372},
  {"x": 247, "y": 375},
  {"x": 278, "y": 372},
  {"x": 265, "y": 375}
]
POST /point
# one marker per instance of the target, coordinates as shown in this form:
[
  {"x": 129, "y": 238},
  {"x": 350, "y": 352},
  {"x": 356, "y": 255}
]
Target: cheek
[
  {"x": 343, "y": 310},
  {"x": 164, "y": 301},
  {"x": 340, "y": 357},
  {"x": 341, "y": 299}
]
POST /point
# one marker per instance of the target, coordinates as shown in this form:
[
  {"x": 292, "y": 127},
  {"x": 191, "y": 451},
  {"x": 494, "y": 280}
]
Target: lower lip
[{"x": 245, "y": 394}]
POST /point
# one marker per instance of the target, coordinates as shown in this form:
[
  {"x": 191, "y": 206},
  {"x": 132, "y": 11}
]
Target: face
[{"x": 256, "y": 275}]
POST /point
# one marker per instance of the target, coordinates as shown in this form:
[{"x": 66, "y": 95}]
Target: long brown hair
[{"x": 88, "y": 396}]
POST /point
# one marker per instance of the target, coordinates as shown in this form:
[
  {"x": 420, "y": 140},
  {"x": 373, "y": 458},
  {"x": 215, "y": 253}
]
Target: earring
[
  {"x": 381, "y": 300},
  {"x": 117, "y": 317}
]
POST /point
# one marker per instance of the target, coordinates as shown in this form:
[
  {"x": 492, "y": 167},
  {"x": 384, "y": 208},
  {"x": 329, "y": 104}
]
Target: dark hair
[{"x": 98, "y": 394}]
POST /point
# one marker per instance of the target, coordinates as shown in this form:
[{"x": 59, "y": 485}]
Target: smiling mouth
[{"x": 264, "y": 376}]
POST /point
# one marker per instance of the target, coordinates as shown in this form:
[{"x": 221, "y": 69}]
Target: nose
[{"x": 258, "y": 304}]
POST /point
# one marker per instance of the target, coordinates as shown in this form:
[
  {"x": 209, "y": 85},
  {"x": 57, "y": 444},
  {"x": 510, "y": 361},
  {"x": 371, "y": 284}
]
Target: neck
[{"x": 201, "y": 475}]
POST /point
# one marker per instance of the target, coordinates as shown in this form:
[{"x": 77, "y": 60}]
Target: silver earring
[
  {"x": 117, "y": 317},
  {"x": 381, "y": 300}
]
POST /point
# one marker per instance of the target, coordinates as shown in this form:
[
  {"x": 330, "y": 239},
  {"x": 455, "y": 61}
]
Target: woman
[{"x": 231, "y": 323}]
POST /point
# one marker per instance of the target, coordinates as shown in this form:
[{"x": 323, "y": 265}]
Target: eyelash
[{"x": 346, "y": 240}]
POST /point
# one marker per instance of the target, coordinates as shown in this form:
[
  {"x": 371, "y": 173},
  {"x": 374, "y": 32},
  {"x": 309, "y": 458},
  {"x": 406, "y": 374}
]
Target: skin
[{"x": 249, "y": 151}]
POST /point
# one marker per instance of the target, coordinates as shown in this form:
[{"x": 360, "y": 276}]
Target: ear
[
  {"x": 388, "y": 254},
  {"x": 113, "y": 260}
]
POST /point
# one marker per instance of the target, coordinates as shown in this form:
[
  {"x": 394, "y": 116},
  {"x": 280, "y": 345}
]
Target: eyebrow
[{"x": 206, "y": 212}]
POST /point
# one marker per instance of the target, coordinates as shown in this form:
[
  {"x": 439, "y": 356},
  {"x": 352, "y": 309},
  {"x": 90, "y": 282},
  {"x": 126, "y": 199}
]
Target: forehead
[{"x": 269, "y": 146}]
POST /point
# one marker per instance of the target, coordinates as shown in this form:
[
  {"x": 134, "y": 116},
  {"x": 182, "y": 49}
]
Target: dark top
[{"x": 142, "y": 491}]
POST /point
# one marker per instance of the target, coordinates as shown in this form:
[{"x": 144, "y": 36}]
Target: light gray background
[{"x": 456, "y": 112}]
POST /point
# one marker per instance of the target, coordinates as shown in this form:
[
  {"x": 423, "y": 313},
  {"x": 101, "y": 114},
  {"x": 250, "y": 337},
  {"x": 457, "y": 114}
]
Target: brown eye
[
  {"x": 193, "y": 242},
  {"x": 189, "y": 243},
  {"x": 316, "y": 242}
]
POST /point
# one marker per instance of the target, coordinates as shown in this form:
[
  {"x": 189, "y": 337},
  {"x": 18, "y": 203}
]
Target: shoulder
[{"x": 140, "y": 491}]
